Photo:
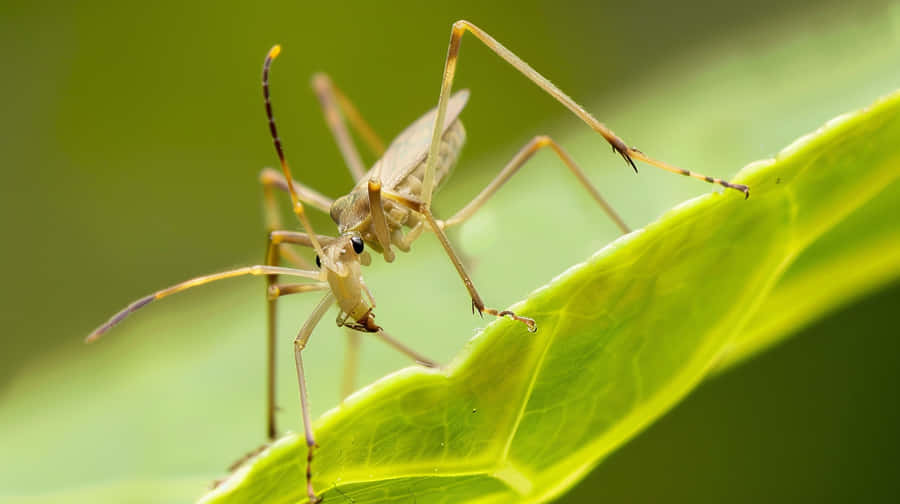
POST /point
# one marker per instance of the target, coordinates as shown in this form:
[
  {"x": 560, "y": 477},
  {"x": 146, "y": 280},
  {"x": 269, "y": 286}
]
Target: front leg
[
  {"x": 274, "y": 252},
  {"x": 477, "y": 303},
  {"x": 379, "y": 220},
  {"x": 299, "y": 345},
  {"x": 424, "y": 210}
]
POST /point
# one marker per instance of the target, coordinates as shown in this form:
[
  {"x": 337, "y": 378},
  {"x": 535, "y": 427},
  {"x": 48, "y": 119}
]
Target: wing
[{"x": 410, "y": 147}]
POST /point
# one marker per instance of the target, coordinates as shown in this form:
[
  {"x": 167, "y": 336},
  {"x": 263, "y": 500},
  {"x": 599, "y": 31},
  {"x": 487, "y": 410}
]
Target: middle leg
[{"x": 513, "y": 166}]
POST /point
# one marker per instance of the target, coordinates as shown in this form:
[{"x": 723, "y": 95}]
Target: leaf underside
[{"x": 622, "y": 337}]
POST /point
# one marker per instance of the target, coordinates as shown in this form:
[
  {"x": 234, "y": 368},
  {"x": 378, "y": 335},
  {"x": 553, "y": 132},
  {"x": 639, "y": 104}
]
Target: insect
[{"x": 389, "y": 207}]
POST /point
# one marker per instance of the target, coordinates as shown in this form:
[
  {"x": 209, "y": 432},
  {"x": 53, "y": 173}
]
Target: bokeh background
[{"x": 132, "y": 135}]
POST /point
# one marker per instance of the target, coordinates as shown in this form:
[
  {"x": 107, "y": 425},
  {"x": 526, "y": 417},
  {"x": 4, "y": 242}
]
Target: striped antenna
[{"x": 295, "y": 200}]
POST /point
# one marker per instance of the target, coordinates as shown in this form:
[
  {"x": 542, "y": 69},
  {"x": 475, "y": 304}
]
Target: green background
[{"x": 133, "y": 134}]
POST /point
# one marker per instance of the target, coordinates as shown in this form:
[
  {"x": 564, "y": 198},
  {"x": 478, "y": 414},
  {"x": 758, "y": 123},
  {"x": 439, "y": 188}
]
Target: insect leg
[
  {"x": 274, "y": 251},
  {"x": 477, "y": 304},
  {"x": 412, "y": 354},
  {"x": 273, "y": 179},
  {"x": 351, "y": 363},
  {"x": 411, "y": 236},
  {"x": 299, "y": 345},
  {"x": 618, "y": 145},
  {"x": 336, "y": 107},
  {"x": 513, "y": 166},
  {"x": 255, "y": 270},
  {"x": 376, "y": 209},
  {"x": 278, "y": 290}
]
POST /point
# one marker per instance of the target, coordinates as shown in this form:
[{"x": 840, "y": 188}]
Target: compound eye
[
  {"x": 358, "y": 244},
  {"x": 318, "y": 261}
]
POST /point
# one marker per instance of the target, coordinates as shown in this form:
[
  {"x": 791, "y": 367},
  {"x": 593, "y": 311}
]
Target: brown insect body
[
  {"x": 402, "y": 168},
  {"x": 393, "y": 196}
]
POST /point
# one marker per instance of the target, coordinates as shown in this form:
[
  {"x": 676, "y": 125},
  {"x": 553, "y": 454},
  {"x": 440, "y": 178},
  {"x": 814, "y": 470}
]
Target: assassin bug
[{"x": 390, "y": 206}]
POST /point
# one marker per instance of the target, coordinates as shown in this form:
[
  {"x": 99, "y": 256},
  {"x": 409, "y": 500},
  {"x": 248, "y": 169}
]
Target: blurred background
[{"x": 132, "y": 136}]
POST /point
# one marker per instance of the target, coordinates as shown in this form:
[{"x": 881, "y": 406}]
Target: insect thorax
[{"x": 351, "y": 212}]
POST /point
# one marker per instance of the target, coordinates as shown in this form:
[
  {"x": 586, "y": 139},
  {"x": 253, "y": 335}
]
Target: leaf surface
[{"x": 622, "y": 337}]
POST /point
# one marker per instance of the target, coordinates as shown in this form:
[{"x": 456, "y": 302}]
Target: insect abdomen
[{"x": 451, "y": 145}]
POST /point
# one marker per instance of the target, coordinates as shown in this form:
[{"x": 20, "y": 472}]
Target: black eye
[
  {"x": 318, "y": 261},
  {"x": 358, "y": 244}
]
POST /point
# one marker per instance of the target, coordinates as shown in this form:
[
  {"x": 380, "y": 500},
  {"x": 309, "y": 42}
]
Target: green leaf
[
  {"x": 856, "y": 256},
  {"x": 622, "y": 337}
]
